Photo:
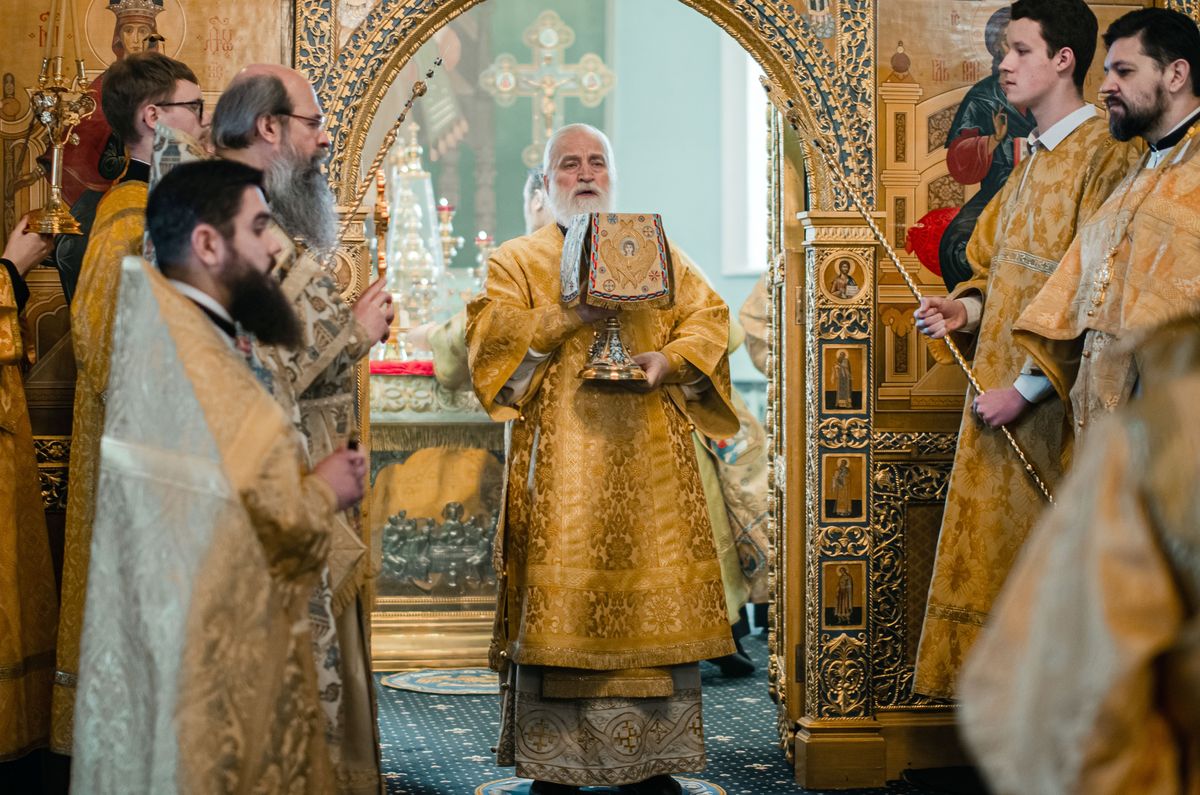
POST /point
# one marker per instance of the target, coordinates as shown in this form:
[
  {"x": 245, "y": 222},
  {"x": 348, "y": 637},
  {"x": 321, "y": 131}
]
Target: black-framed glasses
[
  {"x": 195, "y": 105},
  {"x": 314, "y": 123}
]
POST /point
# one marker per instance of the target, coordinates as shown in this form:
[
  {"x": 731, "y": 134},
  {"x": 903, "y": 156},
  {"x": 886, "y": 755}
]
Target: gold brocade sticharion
[
  {"x": 116, "y": 233},
  {"x": 28, "y": 602},
  {"x": 1087, "y": 679},
  {"x": 1134, "y": 266},
  {"x": 605, "y": 550},
  {"x": 992, "y": 503}
]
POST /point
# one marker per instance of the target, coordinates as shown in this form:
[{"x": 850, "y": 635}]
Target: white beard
[{"x": 565, "y": 208}]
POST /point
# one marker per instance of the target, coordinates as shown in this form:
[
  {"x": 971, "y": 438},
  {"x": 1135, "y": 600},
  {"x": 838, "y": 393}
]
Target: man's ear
[
  {"x": 269, "y": 128},
  {"x": 1064, "y": 61},
  {"x": 1178, "y": 75},
  {"x": 538, "y": 200},
  {"x": 148, "y": 116},
  {"x": 208, "y": 244}
]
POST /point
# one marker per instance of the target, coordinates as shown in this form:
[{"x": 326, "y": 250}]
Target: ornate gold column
[{"x": 854, "y": 507}]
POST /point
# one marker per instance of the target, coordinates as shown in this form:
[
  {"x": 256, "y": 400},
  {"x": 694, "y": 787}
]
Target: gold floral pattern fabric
[
  {"x": 1086, "y": 678},
  {"x": 28, "y": 595},
  {"x": 992, "y": 503},
  {"x": 1153, "y": 275},
  {"x": 196, "y": 671},
  {"x": 605, "y": 548},
  {"x": 117, "y": 233},
  {"x": 316, "y": 383}
]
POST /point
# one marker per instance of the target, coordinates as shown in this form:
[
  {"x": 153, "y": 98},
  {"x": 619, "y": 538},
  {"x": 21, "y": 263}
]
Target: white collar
[
  {"x": 204, "y": 299},
  {"x": 1059, "y": 131}
]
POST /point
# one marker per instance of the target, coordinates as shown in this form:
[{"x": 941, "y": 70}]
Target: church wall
[{"x": 666, "y": 131}]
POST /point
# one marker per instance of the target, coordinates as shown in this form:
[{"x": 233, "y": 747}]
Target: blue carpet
[{"x": 441, "y": 745}]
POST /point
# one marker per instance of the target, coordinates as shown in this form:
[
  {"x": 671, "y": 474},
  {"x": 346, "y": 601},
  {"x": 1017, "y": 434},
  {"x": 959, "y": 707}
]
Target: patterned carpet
[{"x": 441, "y": 745}]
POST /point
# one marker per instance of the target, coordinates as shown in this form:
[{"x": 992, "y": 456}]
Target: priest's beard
[
  {"x": 566, "y": 206},
  {"x": 257, "y": 303},
  {"x": 301, "y": 200},
  {"x": 1128, "y": 121}
]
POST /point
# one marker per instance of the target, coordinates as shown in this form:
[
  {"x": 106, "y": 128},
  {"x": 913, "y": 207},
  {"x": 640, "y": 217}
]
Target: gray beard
[{"x": 302, "y": 203}]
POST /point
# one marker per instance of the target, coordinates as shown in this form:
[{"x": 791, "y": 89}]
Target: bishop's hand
[
  {"x": 593, "y": 314},
  {"x": 656, "y": 367}
]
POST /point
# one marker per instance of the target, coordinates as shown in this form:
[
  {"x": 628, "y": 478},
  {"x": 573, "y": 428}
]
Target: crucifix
[{"x": 547, "y": 80}]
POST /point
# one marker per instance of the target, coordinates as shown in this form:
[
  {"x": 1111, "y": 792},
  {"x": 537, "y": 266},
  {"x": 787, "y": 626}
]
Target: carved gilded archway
[
  {"x": 822, "y": 72},
  {"x": 830, "y": 79}
]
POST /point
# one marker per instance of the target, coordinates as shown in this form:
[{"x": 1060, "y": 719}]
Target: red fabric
[
  {"x": 402, "y": 368},
  {"x": 925, "y": 236},
  {"x": 81, "y": 162},
  {"x": 969, "y": 157}
]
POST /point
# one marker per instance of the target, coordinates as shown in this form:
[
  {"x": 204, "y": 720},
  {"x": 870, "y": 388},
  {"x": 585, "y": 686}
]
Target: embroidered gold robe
[
  {"x": 1153, "y": 219},
  {"x": 196, "y": 671},
  {"x": 1087, "y": 677},
  {"x": 117, "y": 233},
  {"x": 316, "y": 382},
  {"x": 992, "y": 503},
  {"x": 605, "y": 552},
  {"x": 28, "y": 593}
]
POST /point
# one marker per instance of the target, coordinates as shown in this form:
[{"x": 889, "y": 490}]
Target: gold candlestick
[{"x": 59, "y": 105}]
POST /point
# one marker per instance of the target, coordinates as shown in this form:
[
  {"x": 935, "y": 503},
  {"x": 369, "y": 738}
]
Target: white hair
[{"x": 548, "y": 153}]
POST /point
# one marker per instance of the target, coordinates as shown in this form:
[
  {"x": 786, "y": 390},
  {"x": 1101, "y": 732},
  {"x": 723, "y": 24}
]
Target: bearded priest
[{"x": 610, "y": 589}]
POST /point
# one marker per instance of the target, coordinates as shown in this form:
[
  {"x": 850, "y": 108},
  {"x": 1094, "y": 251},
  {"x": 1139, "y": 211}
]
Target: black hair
[
  {"x": 1166, "y": 36},
  {"x": 205, "y": 192},
  {"x": 1065, "y": 24}
]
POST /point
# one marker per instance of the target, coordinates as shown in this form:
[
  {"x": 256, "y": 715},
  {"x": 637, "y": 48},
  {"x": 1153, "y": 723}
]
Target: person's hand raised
[{"x": 374, "y": 311}]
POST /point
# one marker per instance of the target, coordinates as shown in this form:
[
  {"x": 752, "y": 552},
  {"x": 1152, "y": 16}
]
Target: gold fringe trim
[
  {"x": 639, "y": 683},
  {"x": 352, "y": 587},
  {"x": 676, "y": 654},
  {"x": 632, "y": 305}
]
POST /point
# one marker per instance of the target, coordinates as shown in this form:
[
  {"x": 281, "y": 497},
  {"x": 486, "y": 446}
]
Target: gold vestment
[
  {"x": 605, "y": 552},
  {"x": 196, "y": 670},
  {"x": 755, "y": 318},
  {"x": 316, "y": 382},
  {"x": 28, "y": 594},
  {"x": 1087, "y": 677},
  {"x": 992, "y": 503},
  {"x": 116, "y": 234},
  {"x": 1132, "y": 268}
]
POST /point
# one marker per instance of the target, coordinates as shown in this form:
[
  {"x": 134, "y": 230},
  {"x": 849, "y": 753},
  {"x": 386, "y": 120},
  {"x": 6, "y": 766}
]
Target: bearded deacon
[
  {"x": 1133, "y": 266},
  {"x": 610, "y": 586},
  {"x": 269, "y": 117}
]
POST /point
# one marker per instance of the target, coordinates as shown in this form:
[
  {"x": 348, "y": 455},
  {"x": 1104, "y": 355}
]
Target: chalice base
[
  {"x": 608, "y": 360},
  {"x": 54, "y": 220}
]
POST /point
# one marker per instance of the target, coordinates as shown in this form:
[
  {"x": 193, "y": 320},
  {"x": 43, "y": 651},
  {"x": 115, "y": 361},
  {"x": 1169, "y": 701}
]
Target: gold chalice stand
[{"x": 616, "y": 261}]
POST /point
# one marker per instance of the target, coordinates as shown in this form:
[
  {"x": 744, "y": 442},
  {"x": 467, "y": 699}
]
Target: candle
[
  {"x": 50, "y": 27},
  {"x": 75, "y": 47},
  {"x": 60, "y": 32}
]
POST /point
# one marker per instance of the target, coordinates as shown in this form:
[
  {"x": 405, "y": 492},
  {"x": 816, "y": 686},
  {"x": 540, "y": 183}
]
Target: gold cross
[
  {"x": 628, "y": 735},
  {"x": 547, "y": 79}
]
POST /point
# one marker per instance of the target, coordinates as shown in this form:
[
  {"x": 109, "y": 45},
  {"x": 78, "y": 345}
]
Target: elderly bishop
[{"x": 610, "y": 587}]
